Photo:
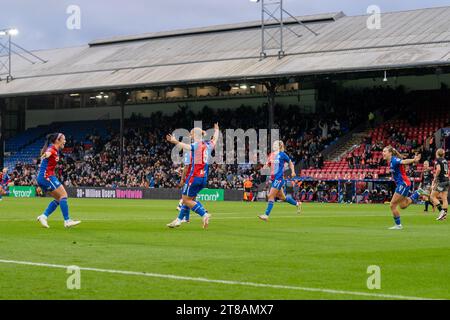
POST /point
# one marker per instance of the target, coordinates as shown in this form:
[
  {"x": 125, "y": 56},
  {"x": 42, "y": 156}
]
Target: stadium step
[{"x": 353, "y": 141}]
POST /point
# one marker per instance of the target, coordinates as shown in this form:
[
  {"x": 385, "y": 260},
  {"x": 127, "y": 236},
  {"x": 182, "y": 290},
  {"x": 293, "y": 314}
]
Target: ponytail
[
  {"x": 49, "y": 139},
  {"x": 394, "y": 152}
]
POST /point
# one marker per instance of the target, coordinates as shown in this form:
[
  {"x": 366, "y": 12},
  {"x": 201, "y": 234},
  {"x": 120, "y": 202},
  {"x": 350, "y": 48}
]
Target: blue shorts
[
  {"x": 402, "y": 189},
  {"x": 192, "y": 189},
  {"x": 278, "y": 183},
  {"x": 48, "y": 185}
]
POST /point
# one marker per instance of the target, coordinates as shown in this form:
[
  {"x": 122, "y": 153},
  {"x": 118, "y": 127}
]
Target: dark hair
[{"x": 49, "y": 139}]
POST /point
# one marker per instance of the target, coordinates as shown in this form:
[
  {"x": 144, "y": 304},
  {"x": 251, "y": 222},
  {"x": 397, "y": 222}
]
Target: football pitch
[{"x": 125, "y": 251}]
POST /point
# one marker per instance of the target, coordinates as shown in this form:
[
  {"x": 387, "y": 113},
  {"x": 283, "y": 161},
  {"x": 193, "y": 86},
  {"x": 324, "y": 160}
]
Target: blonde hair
[
  {"x": 440, "y": 153},
  {"x": 198, "y": 133},
  {"x": 279, "y": 144},
  {"x": 394, "y": 152}
]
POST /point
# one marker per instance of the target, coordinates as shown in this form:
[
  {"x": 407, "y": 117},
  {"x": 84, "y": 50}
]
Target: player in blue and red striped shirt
[
  {"x": 277, "y": 159},
  {"x": 200, "y": 152},
  {"x": 48, "y": 182},
  {"x": 4, "y": 183},
  {"x": 401, "y": 196}
]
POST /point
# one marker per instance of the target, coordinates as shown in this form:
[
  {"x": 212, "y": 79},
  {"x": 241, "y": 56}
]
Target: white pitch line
[{"x": 228, "y": 282}]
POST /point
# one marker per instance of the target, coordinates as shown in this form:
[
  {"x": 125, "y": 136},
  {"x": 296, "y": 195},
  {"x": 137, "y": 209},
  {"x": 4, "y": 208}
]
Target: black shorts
[{"x": 442, "y": 186}]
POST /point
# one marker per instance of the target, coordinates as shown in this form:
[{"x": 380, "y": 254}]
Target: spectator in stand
[
  {"x": 324, "y": 126},
  {"x": 350, "y": 161},
  {"x": 368, "y": 143}
]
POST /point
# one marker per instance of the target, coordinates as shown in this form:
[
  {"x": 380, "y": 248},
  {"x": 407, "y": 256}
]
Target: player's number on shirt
[{"x": 277, "y": 183}]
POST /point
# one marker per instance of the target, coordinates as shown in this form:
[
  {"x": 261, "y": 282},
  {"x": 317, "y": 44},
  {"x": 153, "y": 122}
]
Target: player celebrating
[
  {"x": 4, "y": 182},
  {"x": 403, "y": 184},
  {"x": 426, "y": 180},
  {"x": 47, "y": 180},
  {"x": 276, "y": 162},
  {"x": 198, "y": 175},
  {"x": 441, "y": 185}
]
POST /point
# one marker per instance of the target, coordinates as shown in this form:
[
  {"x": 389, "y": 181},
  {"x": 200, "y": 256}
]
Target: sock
[
  {"x": 397, "y": 220},
  {"x": 188, "y": 214},
  {"x": 201, "y": 205},
  {"x": 439, "y": 206},
  {"x": 269, "y": 207},
  {"x": 51, "y": 208},
  {"x": 184, "y": 213},
  {"x": 427, "y": 203},
  {"x": 415, "y": 196},
  {"x": 180, "y": 204},
  {"x": 64, "y": 208},
  {"x": 291, "y": 200},
  {"x": 198, "y": 209}
]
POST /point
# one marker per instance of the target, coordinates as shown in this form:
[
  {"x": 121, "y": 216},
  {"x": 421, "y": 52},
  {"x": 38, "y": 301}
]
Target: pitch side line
[{"x": 228, "y": 282}]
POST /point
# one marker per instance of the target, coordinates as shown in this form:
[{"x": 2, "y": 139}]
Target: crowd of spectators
[{"x": 147, "y": 156}]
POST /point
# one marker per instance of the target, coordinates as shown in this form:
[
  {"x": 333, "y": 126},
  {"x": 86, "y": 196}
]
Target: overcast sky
[{"x": 42, "y": 23}]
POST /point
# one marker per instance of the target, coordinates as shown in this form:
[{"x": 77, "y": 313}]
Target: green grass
[{"x": 327, "y": 247}]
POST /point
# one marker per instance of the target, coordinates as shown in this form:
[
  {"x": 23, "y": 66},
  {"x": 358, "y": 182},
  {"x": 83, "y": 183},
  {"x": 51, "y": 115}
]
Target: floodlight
[{"x": 13, "y": 32}]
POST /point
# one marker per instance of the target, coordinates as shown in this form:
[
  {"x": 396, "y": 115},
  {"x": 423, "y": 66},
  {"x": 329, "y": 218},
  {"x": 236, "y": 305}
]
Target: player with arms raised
[
  {"x": 197, "y": 178},
  {"x": 276, "y": 162},
  {"x": 48, "y": 182},
  {"x": 403, "y": 184}
]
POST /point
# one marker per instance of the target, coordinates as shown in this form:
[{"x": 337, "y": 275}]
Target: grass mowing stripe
[{"x": 228, "y": 282}]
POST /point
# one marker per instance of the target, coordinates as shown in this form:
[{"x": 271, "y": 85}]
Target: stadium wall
[{"x": 34, "y": 118}]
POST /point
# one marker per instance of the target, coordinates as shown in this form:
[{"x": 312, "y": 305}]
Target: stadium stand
[
  {"x": 92, "y": 150},
  {"x": 343, "y": 69},
  {"x": 407, "y": 135}
]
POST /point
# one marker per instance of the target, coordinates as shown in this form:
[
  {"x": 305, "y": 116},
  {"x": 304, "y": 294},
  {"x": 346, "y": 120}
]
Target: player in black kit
[
  {"x": 426, "y": 181},
  {"x": 441, "y": 184}
]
